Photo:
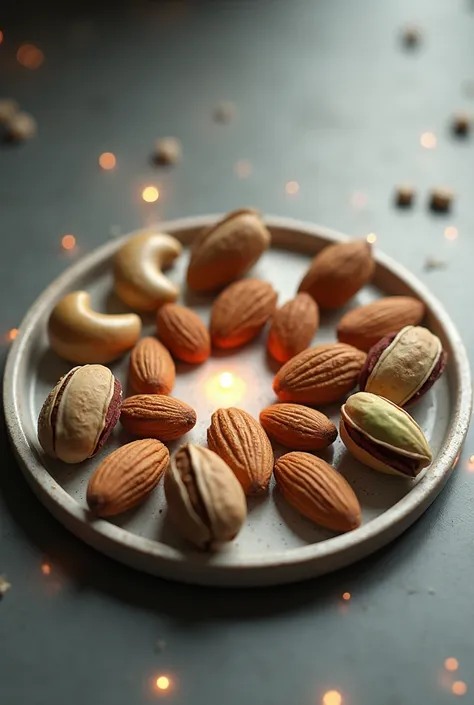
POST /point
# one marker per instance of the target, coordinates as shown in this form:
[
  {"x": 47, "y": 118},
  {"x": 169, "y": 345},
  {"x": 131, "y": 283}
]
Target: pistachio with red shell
[
  {"x": 403, "y": 366},
  {"x": 80, "y": 413},
  {"x": 383, "y": 436}
]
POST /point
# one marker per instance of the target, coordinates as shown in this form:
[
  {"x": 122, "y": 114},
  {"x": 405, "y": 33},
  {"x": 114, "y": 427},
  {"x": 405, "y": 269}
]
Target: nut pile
[{"x": 380, "y": 346}]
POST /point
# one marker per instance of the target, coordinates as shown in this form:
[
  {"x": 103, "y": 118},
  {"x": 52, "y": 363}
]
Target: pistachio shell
[
  {"x": 403, "y": 366},
  {"x": 205, "y": 500},
  {"x": 79, "y": 413},
  {"x": 383, "y": 436}
]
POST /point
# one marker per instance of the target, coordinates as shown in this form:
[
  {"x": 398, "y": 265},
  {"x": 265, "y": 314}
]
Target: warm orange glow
[
  {"x": 451, "y": 664},
  {"x": 46, "y": 569},
  {"x": 371, "y": 237},
  {"x": 358, "y": 199},
  {"x": 332, "y": 697},
  {"x": 68, "y": 242},
  {"x": 428, "y": 140},
  {"x": 107, "y": 160},
  {"x": 459, "y": 688},
  {"x": 1, "y": 36},
  {"x": 243, "y": 168},
  {"x": 225, "y": 389},
  {"x": 30, "y": 56},
  {"x": 292, "y": 187},
  {"x": 12, "y": 334},
  {"x": 451, "y": 232},
  {"x": 163, "y": 683},
  {"x": 346, "y": 596},
  {"x": 150, "y": 194}
]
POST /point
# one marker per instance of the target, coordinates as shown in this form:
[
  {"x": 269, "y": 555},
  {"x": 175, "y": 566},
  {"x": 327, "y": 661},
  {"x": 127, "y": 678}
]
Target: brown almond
[
  {"x": 338, "y": 272},
  {"x": 157, "y": 416},
  {"x": 318, "y": 491},
  {"x": 126, "y": 477},
  {"x": 183, "y": 333},
  {"x": 293, "y": 327},
  {"x": 239, "y": 439},
  {"x": 225, "y": 251},
  {"x": 152, "y": 369},
  {"x": 298, "y": 427},
  {"x": 365, "y": 325},
  {"x": 319, "y": 375},
  {"x": 240, "y": 312}
]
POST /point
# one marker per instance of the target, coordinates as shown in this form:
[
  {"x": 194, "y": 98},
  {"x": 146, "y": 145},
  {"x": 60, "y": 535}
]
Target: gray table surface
[{"x": 326, "y": 96}]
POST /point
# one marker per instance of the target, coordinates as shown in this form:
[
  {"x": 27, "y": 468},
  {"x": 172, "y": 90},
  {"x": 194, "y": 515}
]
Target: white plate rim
[{"x": 259, "y": 569}]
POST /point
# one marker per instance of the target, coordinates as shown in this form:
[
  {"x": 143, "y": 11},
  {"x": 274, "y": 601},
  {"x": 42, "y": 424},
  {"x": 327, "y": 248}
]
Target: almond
[
  {"x": 315, "y": 489},
  {"x": 152, "y": 369},
  {"x": 293, "y": 327},
  {"x": 227, "y": 250},
  {"x": 319, "y": 375},
  {"x": 298, "y": 427},
  {"x": 365, "y": 325},
  {"x": 183, "y": 333},
  {"x": 241, "y": 311},
  {"x": 126, "y": 477},
  {"x": 239, "y": 439},
  {"x": 157, "y": 416},
  {"x": 338, "y": 272}
]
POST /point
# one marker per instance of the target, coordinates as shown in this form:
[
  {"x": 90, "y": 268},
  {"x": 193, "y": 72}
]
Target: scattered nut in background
[
  {"x": 432, "y": 263},
  {"x": 224, "y": 112},
  {"x": 404, "y": 195},
  {"x": 168, "y": 150},
  {"x": 441, "y": 199},
  {"x": 461, "y": 124},
  {"x": 8, "y": 109},
  {"x": 411, "y": 36},
  {"x": 4, "y": 586},
  {"x": 21, "y": 127}
]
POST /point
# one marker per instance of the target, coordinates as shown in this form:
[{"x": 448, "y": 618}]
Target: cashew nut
[
  {"x": 81, "y": 335},
  {"x": 139, "y": 280}
]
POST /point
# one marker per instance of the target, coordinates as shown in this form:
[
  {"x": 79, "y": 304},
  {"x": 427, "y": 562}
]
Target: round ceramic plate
[{"x": 276, "y": 544}]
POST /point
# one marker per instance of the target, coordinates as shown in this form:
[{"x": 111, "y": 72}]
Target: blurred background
[{"x": 313, "y": 109}]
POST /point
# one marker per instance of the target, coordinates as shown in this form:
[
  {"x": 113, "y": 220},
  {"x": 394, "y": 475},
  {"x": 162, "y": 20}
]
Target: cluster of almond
[{"x": 380, "y": 345}]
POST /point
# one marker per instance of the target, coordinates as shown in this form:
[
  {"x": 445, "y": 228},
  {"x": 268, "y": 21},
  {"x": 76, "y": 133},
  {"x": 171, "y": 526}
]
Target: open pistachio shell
[
  {"x": 80, "y": 413},
  {"x": 402, "y": 366},
  {"x": 205, "y": 500},
  {"x": 383, "y": 436}
]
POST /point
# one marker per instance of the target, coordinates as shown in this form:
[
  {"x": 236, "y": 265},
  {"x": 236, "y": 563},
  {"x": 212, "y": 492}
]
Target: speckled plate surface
[{"x": 276, "y": 544}]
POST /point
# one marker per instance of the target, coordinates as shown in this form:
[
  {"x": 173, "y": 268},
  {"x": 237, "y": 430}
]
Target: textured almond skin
[
  {"x": 157, "y": 416},
  {"x": 152, "y": 370},
  {"x": 365, "y": 325},
  {"x": 293, "y": 327},
  {"x": 298, "y": 427},
  {"x": 126, "y": 477},
  {"x": 318, "y": 491},
  {"x": 183, "y": 333},
  {"x": 227, "y": 250},
  {"x": 240, "y": 440},
  {"x": 240, "y": 312},
  {"x": 319, "y": 375},
  {"x": 338, "y": 272}
]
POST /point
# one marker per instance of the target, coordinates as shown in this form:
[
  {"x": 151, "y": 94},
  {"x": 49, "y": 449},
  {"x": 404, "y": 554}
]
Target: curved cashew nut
[
  {"x": 81, "y": 335},
  {"x": 139, "y": 281}
]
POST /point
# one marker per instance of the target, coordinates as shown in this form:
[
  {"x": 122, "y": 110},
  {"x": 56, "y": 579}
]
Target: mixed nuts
[{"x": 380, "y": 345}]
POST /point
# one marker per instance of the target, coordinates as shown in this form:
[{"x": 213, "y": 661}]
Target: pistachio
[
  {"x": 403, "y": 366},
  {"x": 383, "y": 436},
  {"x": 205, "y": 500},
  {"x": 80, "y": 413}
]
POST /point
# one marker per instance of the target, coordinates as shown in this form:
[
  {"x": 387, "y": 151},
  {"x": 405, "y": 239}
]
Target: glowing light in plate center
[{"x": 225, "y": 388}]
